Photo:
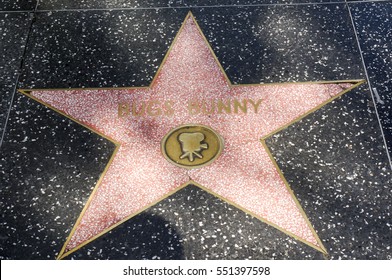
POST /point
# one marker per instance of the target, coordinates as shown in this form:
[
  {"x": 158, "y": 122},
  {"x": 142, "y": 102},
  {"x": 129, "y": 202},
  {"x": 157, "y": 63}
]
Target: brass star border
[{"x": 63, "y": 253}]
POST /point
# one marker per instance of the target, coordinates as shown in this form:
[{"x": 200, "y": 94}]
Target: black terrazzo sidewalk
[{"x": 335, "y": 160}]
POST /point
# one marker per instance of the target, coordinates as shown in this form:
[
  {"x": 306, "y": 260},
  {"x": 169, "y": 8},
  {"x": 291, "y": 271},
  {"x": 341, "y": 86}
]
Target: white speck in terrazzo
[{"x": 138, "y": 168}]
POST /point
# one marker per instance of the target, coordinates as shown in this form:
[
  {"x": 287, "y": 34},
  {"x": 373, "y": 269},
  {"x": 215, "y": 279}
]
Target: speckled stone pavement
[{"x": 321, "y": 70}]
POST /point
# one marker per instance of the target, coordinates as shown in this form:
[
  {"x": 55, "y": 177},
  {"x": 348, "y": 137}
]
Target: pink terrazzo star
[{"x": 139, "y": 176}]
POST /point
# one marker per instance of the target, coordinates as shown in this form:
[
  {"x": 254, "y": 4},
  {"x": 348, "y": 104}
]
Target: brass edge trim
[
  {"x": 358, "y": 83},
  {"x": 322, "y": 249},
  {"x": 60, "y": 255},
  {"x": 170, "y": 48},
  {"x": 119, "y": 222},
  {"x": 82, "y": 89},
  {"x": 210, "y": 48},
  {"x": 124, "y": 88},
  {"x": 190, "y": 15},
  {"x": 167, "y": 135},
  {"x": 117, "y": 146},
  {"x": 26, "y": 93},
  {"x": 264, "y": 144},
  {"x": 232, "y": 85},
  {"x": 190, "y": 182},
  {"x": 300, "y": 83}
]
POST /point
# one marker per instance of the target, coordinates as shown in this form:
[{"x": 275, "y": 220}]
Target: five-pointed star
[{"x": 137, "y": 119}]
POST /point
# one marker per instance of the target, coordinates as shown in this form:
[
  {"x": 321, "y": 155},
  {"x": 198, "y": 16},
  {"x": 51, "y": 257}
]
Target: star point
[{"x": 191, "y": 87}]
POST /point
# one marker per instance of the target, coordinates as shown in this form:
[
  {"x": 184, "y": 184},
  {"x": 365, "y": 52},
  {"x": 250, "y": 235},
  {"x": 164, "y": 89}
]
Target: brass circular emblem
[{"x": 191, "y": 146}]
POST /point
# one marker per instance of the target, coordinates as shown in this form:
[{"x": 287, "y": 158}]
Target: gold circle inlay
[{"x": 191, "y": 146}]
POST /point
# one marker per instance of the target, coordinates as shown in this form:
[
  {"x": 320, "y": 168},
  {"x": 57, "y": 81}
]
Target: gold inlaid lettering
[
  {"x": 140, "y": 112},
  {"x": 168, "y": 108},
  {"x": 153, "y": 109},
  {"x": 255, "y": 105},
  {"x": 206, "y": 110},
  {"x": 222, "y": 106},
  {"x": 243, "y": 107},
  {"x": 123, "y": 110}
]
